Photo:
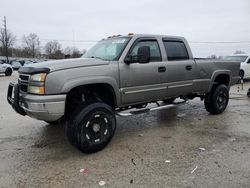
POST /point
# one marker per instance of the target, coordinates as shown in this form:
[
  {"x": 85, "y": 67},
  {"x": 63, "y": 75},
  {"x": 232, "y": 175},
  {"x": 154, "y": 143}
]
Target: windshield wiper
[{"x": 96, "y": 57}]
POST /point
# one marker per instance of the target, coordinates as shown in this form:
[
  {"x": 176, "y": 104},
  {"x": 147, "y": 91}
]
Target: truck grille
[{"x": 23, "y": 82}]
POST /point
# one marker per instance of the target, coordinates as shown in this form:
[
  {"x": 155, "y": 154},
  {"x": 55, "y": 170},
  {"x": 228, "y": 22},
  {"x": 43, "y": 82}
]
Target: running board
[{"x": 145, "y": 110}]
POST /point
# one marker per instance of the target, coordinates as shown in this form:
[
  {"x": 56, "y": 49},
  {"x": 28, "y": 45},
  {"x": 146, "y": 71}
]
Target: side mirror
[
  {"x": 143, "y": 54},
  {"x": 128, "y": 59}
]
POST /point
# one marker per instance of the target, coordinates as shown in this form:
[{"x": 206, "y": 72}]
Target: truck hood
[{"x": 56, "y": 65}]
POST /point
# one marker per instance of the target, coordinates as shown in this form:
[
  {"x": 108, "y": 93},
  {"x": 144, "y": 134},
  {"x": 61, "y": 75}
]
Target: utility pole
[
  {"x": 6, "y": 39},
  {"x": 38, "y": 46}
]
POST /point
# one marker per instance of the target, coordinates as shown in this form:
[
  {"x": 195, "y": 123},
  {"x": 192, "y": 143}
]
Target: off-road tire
[
  {"x": 8, "y": 72},
  {"x": 91, "y": 127},
  {"x": 217, "y": 100}
]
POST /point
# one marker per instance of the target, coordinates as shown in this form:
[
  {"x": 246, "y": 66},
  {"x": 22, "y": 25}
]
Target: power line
[
  {"x": 68, "y": 40},
  {"x": 220, "y": 42},
  {"x": 198, "y": 42},
  {"x": 94, "y": 41}
]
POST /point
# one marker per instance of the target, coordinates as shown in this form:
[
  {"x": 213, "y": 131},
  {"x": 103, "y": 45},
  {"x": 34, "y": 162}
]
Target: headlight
[
  {"x": 38, "y": 77},
  {"x": 36, "y": 84}
]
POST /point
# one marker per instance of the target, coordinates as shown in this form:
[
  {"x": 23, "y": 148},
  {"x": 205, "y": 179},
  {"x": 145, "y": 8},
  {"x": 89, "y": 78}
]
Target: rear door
[
  {"x": 180, "y": 68},
  {"x": 143, "y": 82}
]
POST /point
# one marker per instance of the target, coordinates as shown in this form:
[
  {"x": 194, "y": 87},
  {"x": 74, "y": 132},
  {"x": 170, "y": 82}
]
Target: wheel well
[
  {"x": 85, "y": 93},
  {"x": 222, "y": 79},
  {"x": 8, "y": 68},
  {"x": 241, "y": 70}
]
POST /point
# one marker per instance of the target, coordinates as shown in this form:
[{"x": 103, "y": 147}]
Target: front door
[{"x": 143, "y": 82}]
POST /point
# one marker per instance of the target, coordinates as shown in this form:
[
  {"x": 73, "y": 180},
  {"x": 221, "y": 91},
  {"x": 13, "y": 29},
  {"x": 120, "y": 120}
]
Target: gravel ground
[{"x": 182, "y": 146}]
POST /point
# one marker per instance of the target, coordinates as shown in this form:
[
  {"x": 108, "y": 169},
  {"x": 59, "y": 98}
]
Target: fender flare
[
  {"x": 216, "y": 74},
  {"x": 69, "y": 85}
]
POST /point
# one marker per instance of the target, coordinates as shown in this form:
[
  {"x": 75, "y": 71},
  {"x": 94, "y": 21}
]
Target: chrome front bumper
[{"x": 41, "y": 107}]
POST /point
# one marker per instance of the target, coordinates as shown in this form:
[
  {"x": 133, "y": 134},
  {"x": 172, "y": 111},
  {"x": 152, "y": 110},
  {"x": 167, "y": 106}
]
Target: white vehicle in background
[
  {"x": 26, "y": 63},
  {"x": 5, "y": 68},
  {"x": 16, "y": 65},
  {"x": 244, "y": 66}
]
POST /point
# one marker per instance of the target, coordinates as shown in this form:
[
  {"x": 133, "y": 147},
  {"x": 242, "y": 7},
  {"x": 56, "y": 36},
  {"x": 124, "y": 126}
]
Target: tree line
[{"x": 31, "y": 47}]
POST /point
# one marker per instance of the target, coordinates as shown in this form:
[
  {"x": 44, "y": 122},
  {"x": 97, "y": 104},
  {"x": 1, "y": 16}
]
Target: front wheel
[
  {"x": 217, "y": 100},
  {"x": 92, "y": 128}
]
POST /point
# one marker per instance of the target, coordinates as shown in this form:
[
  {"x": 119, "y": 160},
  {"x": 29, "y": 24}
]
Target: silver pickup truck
[{"x": 120, "y": 75}]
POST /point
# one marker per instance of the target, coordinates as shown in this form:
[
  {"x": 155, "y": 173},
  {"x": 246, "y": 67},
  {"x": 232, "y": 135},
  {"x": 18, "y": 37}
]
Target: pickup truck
[
  {"x": 5, "y": 68},
  {"x": 120, "y": 75},
  {"x": 244, "y": 66}
]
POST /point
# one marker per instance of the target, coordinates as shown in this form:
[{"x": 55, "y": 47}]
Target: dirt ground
[{"x": 182, "y": 146}]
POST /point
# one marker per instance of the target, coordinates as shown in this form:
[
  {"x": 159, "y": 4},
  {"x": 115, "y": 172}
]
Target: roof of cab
[{"x": 146, "y": 35}]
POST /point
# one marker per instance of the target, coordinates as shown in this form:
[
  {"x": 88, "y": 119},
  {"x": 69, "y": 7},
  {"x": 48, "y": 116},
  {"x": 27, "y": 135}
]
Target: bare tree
[
  {"x": 32, "y": 45},
  {"x": 72, "y": 52},
  {"x": 239, "y": 52},
  {"x": 7, "y": 40},
  {"x": 213, "y": 56},
  {"x": 20, "y": 52},
  {"x": 53, "y": 50}
]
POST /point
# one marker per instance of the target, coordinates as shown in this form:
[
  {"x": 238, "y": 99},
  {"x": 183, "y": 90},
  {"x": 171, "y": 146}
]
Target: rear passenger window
[
  {"x": 176, "y": 50},
  {"x": 155, "y": 54},
  {"x": 248, "y": 61}
]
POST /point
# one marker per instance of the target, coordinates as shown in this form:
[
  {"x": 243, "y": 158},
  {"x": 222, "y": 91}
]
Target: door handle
[
  {"x": 161, "y": 69},
  {"x": 189, "y": 67}
]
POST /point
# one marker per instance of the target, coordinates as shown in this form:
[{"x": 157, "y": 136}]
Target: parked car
[
  {"x": 5, "y": 68},
  {"x": 5, "y": 61},
  {"x": 119, "y": 76},
  {"x": 16, "y": 65},
  {"x": 26, "y": 63},
  {"x": 244, "y": 66}
]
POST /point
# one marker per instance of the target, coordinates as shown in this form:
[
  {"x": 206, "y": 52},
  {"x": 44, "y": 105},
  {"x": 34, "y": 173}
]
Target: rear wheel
[
  {"x": 216, "y": 101},
  {"x": 92, "y": 127},
  {"x": 8, "y": 72}
]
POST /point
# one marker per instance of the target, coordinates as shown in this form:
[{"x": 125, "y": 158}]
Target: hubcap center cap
[
  {"x": 96, "y": 127},
  {"x": 220, "y": 99}
]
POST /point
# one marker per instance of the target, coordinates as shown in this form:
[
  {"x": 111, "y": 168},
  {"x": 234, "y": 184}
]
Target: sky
[{"x": 211, "y": 26}]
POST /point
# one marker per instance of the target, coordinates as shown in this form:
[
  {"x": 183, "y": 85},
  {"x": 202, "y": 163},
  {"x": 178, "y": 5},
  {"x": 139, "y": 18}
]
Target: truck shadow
[{"x": 53, "y": 137}]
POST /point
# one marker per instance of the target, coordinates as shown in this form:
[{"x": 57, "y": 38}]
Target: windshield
[
  {"x": 109, "y": 49},
  {"x": 237, "y": 58}
]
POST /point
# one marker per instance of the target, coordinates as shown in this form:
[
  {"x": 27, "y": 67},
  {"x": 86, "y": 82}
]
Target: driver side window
[{"x": 155, "y": 54}]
